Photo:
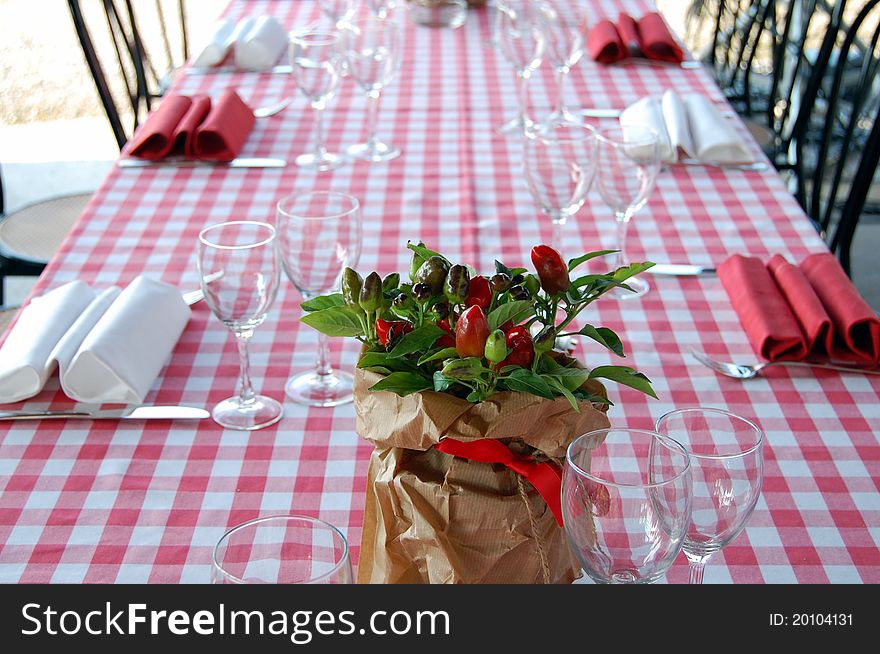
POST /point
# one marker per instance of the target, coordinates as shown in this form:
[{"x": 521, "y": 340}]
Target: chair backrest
[
  {"x": 837, "y": 134},
  {"x": 131, "y": 55}
]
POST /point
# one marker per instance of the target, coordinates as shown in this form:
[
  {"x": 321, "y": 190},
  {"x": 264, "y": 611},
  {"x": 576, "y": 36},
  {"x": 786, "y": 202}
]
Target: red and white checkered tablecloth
[{"x": 146, "y": 502}]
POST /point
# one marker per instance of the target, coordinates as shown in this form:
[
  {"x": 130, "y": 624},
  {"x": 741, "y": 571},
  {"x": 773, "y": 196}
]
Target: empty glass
[
  {"x": 319, "y": 235},
  {"x": 382, "y": 8},
  {"x": 238, "y": 268},
  {"x": 520, "y": 35},
  {"x": 316, "y": 63},
  {"x": 629, "y": 160},
  {"x": 565, "y": 33},
  {"x": 626, "y": 503},
  {"x": 560, "y": 164},
  {"x": 284, "y": 549},
  {"x": 371, "y": 51},
  {"x": 727, "y": 465},
  {"x": 338, "y": 11}
]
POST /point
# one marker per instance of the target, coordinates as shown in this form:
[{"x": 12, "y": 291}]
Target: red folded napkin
[
  {"x": 194, "y": 128},
  {"x": 608, "y": 42},
  {"x": 792, "y": 312}
]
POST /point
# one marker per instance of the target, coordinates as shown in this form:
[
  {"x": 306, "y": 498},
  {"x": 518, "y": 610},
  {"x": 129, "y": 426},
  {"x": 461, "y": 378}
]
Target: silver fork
[{"x": 743, "y": 371}]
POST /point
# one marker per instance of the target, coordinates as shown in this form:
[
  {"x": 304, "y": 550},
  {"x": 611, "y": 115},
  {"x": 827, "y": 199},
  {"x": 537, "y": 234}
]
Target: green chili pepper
[
  {"x": 371, "y": 292},
  {"x": 457, "y": 283},
  {"x": 391, "y": 282},
  {"x": 545, "y": 340},
  {"x": 496, "y": 347},
  {"x": 422, "y": 293},
  {"x": 433, "y": 273},
  {"x": 351, "y": 288},
  {"x": 416, "y": 263},
  {"x": 532, "y": 285}
]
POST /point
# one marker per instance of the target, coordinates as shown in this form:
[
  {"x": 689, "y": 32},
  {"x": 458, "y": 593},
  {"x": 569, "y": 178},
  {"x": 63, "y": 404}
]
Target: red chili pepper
[
  {"x": 389, "y": 330},
  {"x": 448, "y": 339},
  {"x": 519, "y": 341},
  {"x": 471, "y": 332},
  {"x": 479, "y": 293},
  {"x": 551, "y": 269}
]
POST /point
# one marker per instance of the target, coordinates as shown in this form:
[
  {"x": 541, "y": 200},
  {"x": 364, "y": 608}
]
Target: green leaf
[
  {"x": 403, "y": 383},
  {"x": 633, "y": 269},
  {"x": 585, "y": 280},
  {"x": 445, "y": 353},
  {"x": 515, "y": 311},
  {"x": 525, "y": 381},
  {"x": 556, "y": 384},
  {"x": 442, "y": 383},
  {"x": 335, "y": 321},
  {"x": 501, "y": 268},
  {"x": 423, "y": 252},
  {"x": 385, "y": 360},
  {"x": 574, "y": 263},
  {"x": 625, "y": 376},
  {"x": 417, "y": 340},
  {"x": 571, "y": 378},
  {"x": 604, "y": 336},
  {"x": 323, "y": 302}
]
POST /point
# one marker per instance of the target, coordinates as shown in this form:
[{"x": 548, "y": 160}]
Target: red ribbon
[{"x": 545, "y": 477}]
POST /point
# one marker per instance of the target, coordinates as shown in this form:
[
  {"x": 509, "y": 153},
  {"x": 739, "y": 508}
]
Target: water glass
[
  {"x": 238, "y": 268},
  {"x": 285, "y": 549},
  {"x": 338, "y": 11},
  {"x": 319, "y": 236},
  {"x": 727, "y": 463},
  {"x": 519, "y": 31},
  {"x": 626, "y": 503},
  {"x": 565, "y": 33},
  {"x": 629, "y": 161}
]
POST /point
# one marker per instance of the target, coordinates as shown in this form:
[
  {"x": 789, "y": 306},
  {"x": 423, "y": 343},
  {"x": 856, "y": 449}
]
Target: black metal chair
[
  {"x": 836, "y": 136},
  {"x": 136, "y": 77}
]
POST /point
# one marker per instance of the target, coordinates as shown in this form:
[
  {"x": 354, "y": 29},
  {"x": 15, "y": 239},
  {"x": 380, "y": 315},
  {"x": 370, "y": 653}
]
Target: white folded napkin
[
  {"x": 262, "y": 45},
  {"x": 109, "y": 346},
  {"x": 217, "y": 48},
  {"x": 689, "y": 125}
]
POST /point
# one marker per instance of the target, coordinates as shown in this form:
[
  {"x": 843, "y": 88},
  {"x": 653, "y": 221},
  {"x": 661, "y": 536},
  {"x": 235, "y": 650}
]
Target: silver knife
[
  {"x": 156, "y": 412},
  {"x": 240, "y": 162},
  {"x": 279, "y": 69},
  {"x": 680, "y": 269}
]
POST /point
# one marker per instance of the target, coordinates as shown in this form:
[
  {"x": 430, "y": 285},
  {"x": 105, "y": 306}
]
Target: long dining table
[{"x": 125, "y": 501}]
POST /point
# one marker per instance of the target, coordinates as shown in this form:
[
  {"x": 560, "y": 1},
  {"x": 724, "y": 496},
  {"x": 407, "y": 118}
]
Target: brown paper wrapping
[{"x": 434, "y": 518}]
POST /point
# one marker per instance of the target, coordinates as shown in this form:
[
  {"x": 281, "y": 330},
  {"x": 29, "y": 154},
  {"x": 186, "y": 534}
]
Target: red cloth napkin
[
  {"x": 792, "y": 312},
  {"x": 195, "y": 128},
  {"x": 608, "y": 42}
]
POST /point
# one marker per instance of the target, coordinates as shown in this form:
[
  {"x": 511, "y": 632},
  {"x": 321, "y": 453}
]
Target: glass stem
[
  {"x": 561, "y": 74},
  {"x": 696, "y": 567},
  {"x": 622, "y": 219},
  {"x": 558, "y": 225},
  {"x": 320, "y": 149},
  {"x": 323, "y": 369},
  {"x": 372, "y": 114},
  {"x": 246, "y": 393},
  {"x": 522, "y": 96}
]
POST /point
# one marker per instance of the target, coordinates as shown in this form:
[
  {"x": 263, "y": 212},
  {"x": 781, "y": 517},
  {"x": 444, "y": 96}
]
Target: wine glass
[
  {"x": 382, "y": 8},
  {"x": 520, "y": 36},
  {"x": 319, "y": 236},
  {"x": 371, "y": 50},
  {"x": 238, "y": 268},
  {"x": 316, "y": 63},
  {"x": 338, "y": 11},
  {"x": 629, "y": 161},
  {"x": 560, "y": 164},
  {"x": 283, "y": 549},
  {"x": 626, "y": 503},
  {"x": 565, "y": 33},
  {"x": 727, "y": 463}
]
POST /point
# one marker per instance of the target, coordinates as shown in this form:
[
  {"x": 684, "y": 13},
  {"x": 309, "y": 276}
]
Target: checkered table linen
[{"x": 109, "y": 501}]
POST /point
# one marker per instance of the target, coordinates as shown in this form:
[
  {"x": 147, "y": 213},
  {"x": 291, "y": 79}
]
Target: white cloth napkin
[
  {"x": 217, "y": 48},
  {"x": 262, "y": 45},
  {"x": 109, "y": 346},
  {"x": 690, "y": 125}
]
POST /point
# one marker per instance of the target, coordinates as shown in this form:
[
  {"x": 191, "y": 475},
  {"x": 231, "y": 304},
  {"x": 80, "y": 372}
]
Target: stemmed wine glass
[
  {"x": 560, "y": 164},
  {"x": 371, "y": 50},
  {"x": 382, "y": 8},
  {"x": 565, "y": 32},
  {"x": 520, "y": 34},
  {"x": 316, "y": 63},
  {"x": 339, "y": 11},
  {"x": 629, "y": 161},
  {"x": 319, "y": 235},
  {"x": 238, "y": 268},
  {"x": 626, "y": 503},
  {"x": 282, "y": 549},
  {"x": 727, "y": 463}
]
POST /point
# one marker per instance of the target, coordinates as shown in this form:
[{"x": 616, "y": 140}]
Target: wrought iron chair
[{"x": 138, "y": 74}]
